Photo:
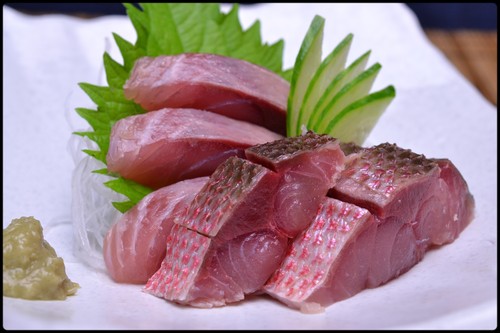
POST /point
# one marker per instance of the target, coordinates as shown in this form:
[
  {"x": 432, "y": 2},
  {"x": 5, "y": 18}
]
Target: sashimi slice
[
  {"x": 309, "y": 166},
  {"x": 240, "y": 246},
  {"x": 411, "y": 203},
  {"x": 236, "y": 211},
  {"x": 199, "y": 273},
  {"x": 420, "y": 203},
  {"x": 397, "y": 184},
  {"x": 237, "y": 199},
  {"x": 134, "y": 247},
  {"x": 160, "y": 148},
  {"x": 231, "y": 87},
  {"x": 328, "y": 261}
]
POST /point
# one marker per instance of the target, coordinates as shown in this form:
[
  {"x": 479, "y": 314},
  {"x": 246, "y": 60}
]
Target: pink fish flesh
[
  {"x": 309, "y": 166},
  {"x": 226, "y": 228},
  {"x": 160, "y": 148},
  {"x": 134, "y": 247},
  {"x": 237, "y": 210},
  {"x": 227, "y": 86},
  {"x": 410, "y": 204},
  {"x": 457, "y": 202},
  {"x": 430, "y": 195},
  {"x": 327, "y": 261},
  {"x": 199, "y": 273}
]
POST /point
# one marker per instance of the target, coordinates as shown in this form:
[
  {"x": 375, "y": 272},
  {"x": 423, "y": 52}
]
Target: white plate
[{"x": 436, "y": 112}]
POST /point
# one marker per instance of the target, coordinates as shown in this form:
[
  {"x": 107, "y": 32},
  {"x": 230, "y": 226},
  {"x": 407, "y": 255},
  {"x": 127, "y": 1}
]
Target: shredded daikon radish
[{"x": 92, "y": 210}]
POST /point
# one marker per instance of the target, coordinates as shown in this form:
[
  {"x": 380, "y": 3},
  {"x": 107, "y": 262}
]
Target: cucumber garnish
[
  {"x": 306, "y": 64},
  {"x": 323, "y": 76},
  {"x": 334, "y": 87},
  {"x": 356, "y": 121},
  {"x": 357, "y": 88},
  {"x": 328, "y": 99}
]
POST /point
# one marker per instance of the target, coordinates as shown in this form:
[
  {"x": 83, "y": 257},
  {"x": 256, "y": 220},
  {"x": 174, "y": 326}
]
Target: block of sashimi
[
  {"x": 162, "y": 147},
  {"x": 235, "y": 217},
  {"x": 134, "y": 246},
  {"x": 309, "y": 166},
  {"x": 410, "y": 203},
  {"x": 237, "y": 199},
  {"x": 328, "y": 261},
  {"x": 421, "y": 202},
  {"x": 200, "y": 273},
  {"x": 231, "y": 87},
  {"x": 225, "y": 244}
]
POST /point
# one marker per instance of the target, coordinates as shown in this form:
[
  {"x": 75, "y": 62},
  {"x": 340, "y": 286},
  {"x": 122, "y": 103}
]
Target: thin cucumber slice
[
  {"x": 306, "y": 64},
  {"x": 334, "y": 87},
  {"x": 355, "y": 122},
  {"x": 354, "y": 90},
  {"x": 327, "y": 71}
]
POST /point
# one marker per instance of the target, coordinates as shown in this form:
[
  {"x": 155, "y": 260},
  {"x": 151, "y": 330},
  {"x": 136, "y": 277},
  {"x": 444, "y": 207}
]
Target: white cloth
[{"x": 436, "y": 112}]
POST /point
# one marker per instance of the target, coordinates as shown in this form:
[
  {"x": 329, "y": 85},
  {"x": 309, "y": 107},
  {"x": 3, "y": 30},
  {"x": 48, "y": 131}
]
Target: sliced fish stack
[
  {"x": 227, "y": 226},
  {"x": 395, "y": 205},
  {"x": 240, "y": 213}
]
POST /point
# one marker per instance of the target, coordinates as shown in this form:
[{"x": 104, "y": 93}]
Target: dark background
[{"x": 449, "y": 16}]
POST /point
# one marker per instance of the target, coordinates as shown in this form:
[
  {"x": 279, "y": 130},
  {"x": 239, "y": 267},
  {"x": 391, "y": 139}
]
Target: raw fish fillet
[
  {"x": 224, "y": 245},
  {"x": 308, "y": 165},
  {"x": 237, "y": 199},
  {"x": 410, "y": 204},
  {"x": 236, "y": 218},
  {"x": 400, "y": 188},
  {"x": 199, "y": 273},
  {"x": 163, "y": 147},
  {"x": 134, "y": 247},
  {"x": 328, "y": 261},
  {"x": 227, "y": 86},
  {"x": 426, "y": 199}
]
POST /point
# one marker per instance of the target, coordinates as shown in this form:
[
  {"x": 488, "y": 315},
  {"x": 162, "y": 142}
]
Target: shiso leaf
[
  {"x": 116, "y": 73},
  {"x": 132, "y": 190}
]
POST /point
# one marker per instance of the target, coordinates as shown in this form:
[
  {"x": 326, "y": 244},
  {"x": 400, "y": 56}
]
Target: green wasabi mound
[{"x": 31, "y": 268}]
